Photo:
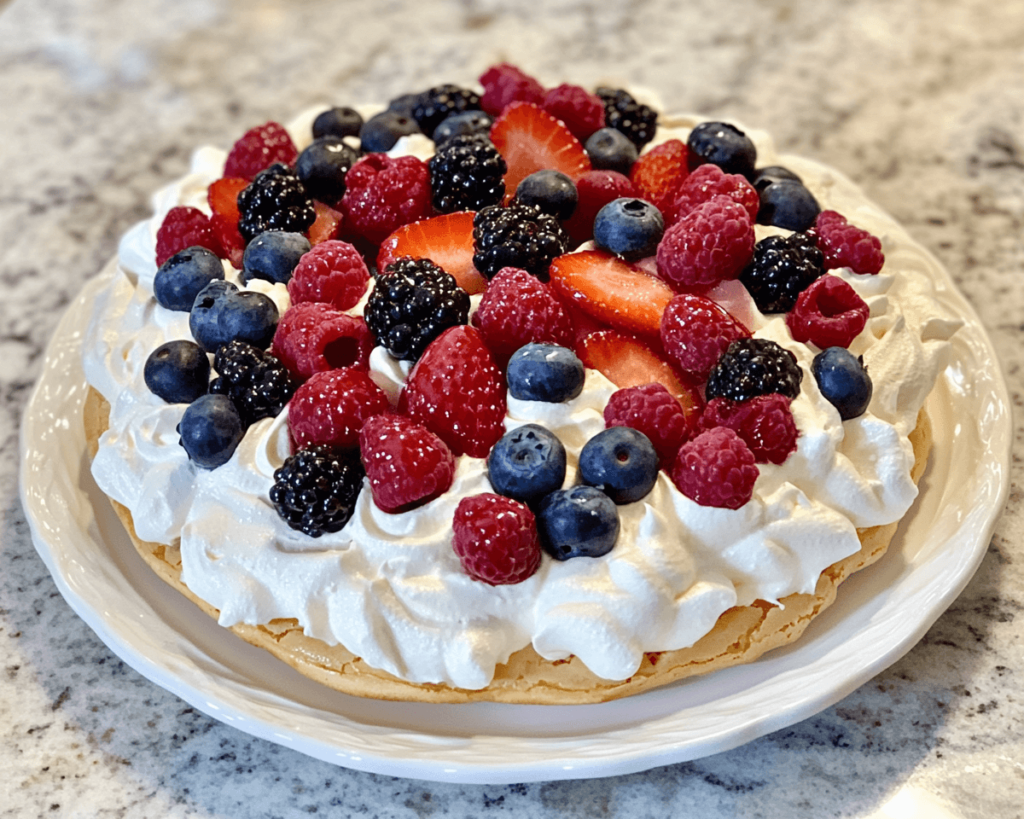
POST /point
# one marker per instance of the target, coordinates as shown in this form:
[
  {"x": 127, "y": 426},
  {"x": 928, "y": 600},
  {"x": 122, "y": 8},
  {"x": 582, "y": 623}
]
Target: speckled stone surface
[{"x": 102, "y": 102}]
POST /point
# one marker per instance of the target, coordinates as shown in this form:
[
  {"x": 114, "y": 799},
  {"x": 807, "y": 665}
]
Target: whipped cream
[{"x": 390, "y": 588}]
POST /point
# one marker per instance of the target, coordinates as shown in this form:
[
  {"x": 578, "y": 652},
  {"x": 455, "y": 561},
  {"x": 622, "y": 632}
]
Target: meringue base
[{"x": 741, "y": 635}]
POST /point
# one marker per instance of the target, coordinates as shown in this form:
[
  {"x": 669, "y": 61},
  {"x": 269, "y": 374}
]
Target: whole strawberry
[
  {"x": 658, "y": 174},
  {"x": 406, "y": 464},
  {"x": 457, "y": 391},
  {"x": 331, "y": 406},
  {"x": 496, "y": 539}
]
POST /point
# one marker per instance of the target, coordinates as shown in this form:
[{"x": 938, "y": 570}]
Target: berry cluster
[{"x": 519, "y": 176}]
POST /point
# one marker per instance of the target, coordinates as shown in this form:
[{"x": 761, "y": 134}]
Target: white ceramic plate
[{"x": 880, "y": 614}]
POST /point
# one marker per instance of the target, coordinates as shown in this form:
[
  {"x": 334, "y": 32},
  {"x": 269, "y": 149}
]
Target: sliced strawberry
[
  {"x": 327, "y": 225},
  {"x": 530, "y": 140},
  {"x": 628, "y": 361},
  {"x": 611, "y": 290},
  {"x": 659, "y": 173},
  {"x": 446, "y": 240},
  {"x": 457, "y": 392},
  {"x": 223, "y": 198}
]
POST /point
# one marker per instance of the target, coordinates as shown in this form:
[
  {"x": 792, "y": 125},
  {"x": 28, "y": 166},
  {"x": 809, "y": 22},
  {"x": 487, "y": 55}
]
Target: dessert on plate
[{"x": 535, "y": 395}]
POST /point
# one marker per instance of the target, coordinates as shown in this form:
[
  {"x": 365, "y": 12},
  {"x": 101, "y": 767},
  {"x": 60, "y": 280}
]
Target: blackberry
[
  {"x": 752, "y": 367},
  {"x": 315, "y": 490},
  {"x": 467, "y": 173},
  {"x": 439, "y": 103},
  {"x": 520, "y": 236},
  {"x": 625, "y": 114},
  {"x": 257, "y": 383},
  {"x": 783, "y": 267},
  {"x": 275, "y": 200},
  {"x": 412, "y": 303}
]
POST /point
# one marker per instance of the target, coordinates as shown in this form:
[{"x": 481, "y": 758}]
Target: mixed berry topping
[
  {"x": 520, "y": 176},
  {"x": 412, "y": 303},
  {"x": 315, "y": 490}
]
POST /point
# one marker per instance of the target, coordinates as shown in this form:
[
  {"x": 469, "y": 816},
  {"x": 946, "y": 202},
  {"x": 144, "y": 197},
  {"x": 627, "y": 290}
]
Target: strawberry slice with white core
[
  {"x": 628, "y": 361},
  {"x": 530, "y": 140},
  {"x": 612, "y": 290},
  {"x": 446, "y": 240}
]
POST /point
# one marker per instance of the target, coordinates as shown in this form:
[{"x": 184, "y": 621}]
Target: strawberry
[
  {"x": 530, "y": 139},
  {"x": 327, "y": 225},
  {"x": 659, "y": 173},
  {"x": 595, "y": 190},
  {"x": 628, "y": 361},
  {"x": 611, "y": 290},
  {"x": 222, "y": 196},
  {"x": 446, "y": 240},
  {"x": 406, "y": 464},
  {"x": 457, "y": 391}
]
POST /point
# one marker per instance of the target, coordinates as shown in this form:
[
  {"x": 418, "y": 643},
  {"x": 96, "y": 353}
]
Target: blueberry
[
  {"x": 763, "y": 177},
  {"x": 552, "y": 191},
  {"x": 322, "y": 166},
  {"x": 631, "y": 228},
  {"x": 223, "y": 313},
  {"x": 723, "y": 145},
  {"x": 177, "y": 371},
  {"x": 545, "y": 372},
  {"x": 405, "y": 104},
  {"x": 182, "y": 276},
  {"x": 611, "y": 150},
  {"x": 577, "y": 522},
  {"x": 380, "y": 133},
  {"x": 843, "y": 380},
  {"x": 337, "y": 122},
  {"x": 210, "y": 430},
  {"x": 466, "y": 123},
  {"x": 621, "y": 462},
  {"x": 272, "y": 256},
  {"x": 786, "y": 203},
  {"x": 527, "y": 464}
]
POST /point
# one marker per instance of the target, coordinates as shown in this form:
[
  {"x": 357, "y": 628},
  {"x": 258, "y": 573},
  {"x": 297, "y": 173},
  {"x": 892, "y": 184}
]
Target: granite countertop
[{"x": 921, "y": 103}]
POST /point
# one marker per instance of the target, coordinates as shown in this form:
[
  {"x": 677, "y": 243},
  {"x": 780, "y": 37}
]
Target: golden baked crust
[{"x": 741, "y": 635}]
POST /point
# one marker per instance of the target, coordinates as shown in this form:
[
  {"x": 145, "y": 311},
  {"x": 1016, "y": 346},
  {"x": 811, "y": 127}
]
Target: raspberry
[
  {"x": 711, "y": 244},
  {"x": 407, "y": 465},
  {"x": 846, "y": 245},
  {"x": 260, "y": 148},
  {"x": 707, "y": 182},
  {"x": 506, "y": 83},
  {"x": 658, "y": 174},
  {"x": 315, "y": 490},
  {"x": 651, "y": 409},
  {"x": 517, "y": 309},
  {"x": 754, "y": 366},
  {"x": 581, "y": 111},
  {"x": 312, "y": 337},
  {"x": 765, "y": 423},
  {"x": 496, "y": 539},
  {"x": 596, "y": 189},
  {"x": 716, "y": 469},
  {"x": 331, "y": 406},
  {"x": 333, "y": 272},
  {"x": 829, "y": 313},
  {"x": 457, "y": 391},
  {"x": 185, "y": 227},
  {"x": 384, "y": 193},
  {"x": 695, "y": 332}
]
